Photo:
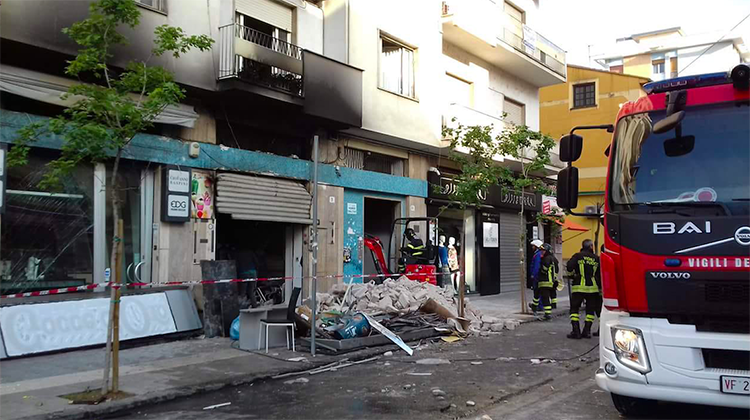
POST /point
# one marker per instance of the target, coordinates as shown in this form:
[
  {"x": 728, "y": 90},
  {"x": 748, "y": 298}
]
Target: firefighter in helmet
[
  {"x": 414, "y": 252},
  {"x": 546, "y": 279},
  {"x": 585, "y": 285}
]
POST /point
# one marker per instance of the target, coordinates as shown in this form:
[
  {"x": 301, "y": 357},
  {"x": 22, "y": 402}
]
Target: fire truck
[{"x": 676, "y": 261}]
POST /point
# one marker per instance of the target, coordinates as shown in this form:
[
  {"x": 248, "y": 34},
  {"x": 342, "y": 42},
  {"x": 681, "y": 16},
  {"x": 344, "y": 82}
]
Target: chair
[{"x": 287, "y": 323}]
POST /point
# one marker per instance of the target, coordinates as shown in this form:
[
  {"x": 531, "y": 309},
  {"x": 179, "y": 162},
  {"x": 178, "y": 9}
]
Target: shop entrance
[
  {"x": 258, "y": 249},
  {"x": 379, "y": 216}
]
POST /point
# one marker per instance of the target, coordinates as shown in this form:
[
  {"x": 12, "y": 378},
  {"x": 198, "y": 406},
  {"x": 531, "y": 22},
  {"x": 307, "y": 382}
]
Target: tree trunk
[{"x": 114, "y": 269}]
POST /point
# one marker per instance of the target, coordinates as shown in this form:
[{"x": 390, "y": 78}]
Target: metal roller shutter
[
  {"x": 268, "y": 11},
  {"x": 263, "y": 198},
  {"x": 510, "y": 269}
]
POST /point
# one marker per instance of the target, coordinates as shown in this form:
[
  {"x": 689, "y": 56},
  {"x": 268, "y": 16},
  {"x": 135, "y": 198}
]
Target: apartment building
[
  {"x": 589, "y": 97},
  {"x": 235, "y": 158},
  {"x": 667, "y": 53}
]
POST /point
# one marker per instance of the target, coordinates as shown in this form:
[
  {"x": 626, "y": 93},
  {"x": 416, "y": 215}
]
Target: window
[
  {"x": 375, "y": 162},
  {"x": 673, "y": 67},
  {"x": 515, "y": 12},
  {"x": 459, "y": 91},
  {"x": 160, "y": 5},
  {"x": 584, "y": 95},
  {"x": 515, "y": 112},
  {"x": 658, "y": 69},
  {"x": 396, "y": 67}
]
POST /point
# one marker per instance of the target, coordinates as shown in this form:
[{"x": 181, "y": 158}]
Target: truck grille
[
  {"x": 726, "y": 359},
  {"x": 727, "y": 292}
]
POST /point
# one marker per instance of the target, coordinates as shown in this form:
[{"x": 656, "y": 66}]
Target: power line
[{"x": 712, "y": 45}]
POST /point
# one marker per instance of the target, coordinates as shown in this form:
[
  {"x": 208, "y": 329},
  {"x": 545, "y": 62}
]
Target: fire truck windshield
[{"x": 706, "y": 159}]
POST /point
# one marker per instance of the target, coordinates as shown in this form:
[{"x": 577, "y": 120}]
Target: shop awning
[
  {"x": 263, "y": 198},
  {"x": 569, "y": 225},
  {"x": 48, "y": 88}
]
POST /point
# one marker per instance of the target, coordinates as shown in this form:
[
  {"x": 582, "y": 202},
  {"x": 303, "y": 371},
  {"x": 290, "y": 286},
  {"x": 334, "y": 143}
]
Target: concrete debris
[
  {"x": 433, "y": 362},
  {"x": 297, "y": 359},
  {"x": 453, "y": 406},
  {"x": 476, "y": 363},
  {"x": 402, "y": 296},
  {"x": 438, "y": 393},
  {"x": 470, "y": 403},
  {"x": 419, "y": 373},
  {"x": 407, "y": 386},
  {"x": 388, "y": 353},
  {"x": 297, "y": 381},
  {"x": 485, "y": 417},
  {"x": 505, "y": 359},
  {"x": 386, "y": 364},
  {"x": 441, "y": 398},
  {"x": 535, "y": 361}
]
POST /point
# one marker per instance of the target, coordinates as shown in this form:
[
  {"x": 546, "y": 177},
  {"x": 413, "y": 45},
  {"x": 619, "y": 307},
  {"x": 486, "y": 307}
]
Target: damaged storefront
[{"x": 485, "y": 238}]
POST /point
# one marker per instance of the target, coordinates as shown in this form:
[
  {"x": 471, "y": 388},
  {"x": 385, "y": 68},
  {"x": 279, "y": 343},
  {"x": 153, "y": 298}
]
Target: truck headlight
[{"x": 630, "y": 348}]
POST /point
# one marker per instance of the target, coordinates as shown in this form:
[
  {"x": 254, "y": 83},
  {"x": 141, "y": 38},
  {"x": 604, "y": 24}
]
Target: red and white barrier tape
[{"x": 188, "y": 283}]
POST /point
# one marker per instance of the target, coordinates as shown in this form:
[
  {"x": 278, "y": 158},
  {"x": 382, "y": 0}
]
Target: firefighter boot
[
  {"x": 586, "y": 333},
  {"x": 576, "y": 333}
]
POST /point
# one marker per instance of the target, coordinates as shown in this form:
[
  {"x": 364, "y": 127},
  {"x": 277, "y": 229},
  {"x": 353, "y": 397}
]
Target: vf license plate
[{"x": 735, "y": 385}]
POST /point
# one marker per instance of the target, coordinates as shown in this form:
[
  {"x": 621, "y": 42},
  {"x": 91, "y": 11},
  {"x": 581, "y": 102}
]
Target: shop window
[{"x": 47, "y": 235}]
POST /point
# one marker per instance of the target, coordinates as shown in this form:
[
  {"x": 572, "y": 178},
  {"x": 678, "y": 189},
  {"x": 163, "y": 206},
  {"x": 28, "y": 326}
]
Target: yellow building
[{"x": 589, "y": 97}]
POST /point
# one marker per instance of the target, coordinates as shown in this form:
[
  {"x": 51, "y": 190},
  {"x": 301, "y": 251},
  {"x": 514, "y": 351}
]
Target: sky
[{"x": 574, "y": 24}]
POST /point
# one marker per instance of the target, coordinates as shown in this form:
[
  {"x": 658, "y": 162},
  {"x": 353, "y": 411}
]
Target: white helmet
[{"x": 537, "y": 243}]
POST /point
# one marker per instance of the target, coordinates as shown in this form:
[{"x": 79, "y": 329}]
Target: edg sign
[{"x": 175, "y": 193}]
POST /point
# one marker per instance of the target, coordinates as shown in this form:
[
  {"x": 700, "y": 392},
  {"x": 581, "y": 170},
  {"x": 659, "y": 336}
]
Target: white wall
[
  {"x": 416, "y": 23},
  {"x": 308, "y": 28},
  {"x": 336, "y": 30},
  {"x": 491, "y": 84},
  {"x": 720, "y": 57}
]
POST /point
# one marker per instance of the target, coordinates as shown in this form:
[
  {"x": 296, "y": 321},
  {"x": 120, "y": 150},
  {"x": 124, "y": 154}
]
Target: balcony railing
[
  {"x": 259, "y": 58},
  {"x": 516, "y": 41},
  {"x": 509, "y": 30}
]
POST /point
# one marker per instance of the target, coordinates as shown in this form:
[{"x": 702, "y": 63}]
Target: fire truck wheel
[{"x": 633, "y": 407}]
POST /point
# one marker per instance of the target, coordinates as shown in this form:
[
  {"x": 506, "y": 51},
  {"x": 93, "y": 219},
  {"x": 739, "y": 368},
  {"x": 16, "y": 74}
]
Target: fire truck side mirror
[
  {"x": 571, "y": 146},
  {"x": 669, "y": 123},
  {"x": 567, "y": 188}
]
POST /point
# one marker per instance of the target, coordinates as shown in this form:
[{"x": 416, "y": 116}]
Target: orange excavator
[{"x": 417, "y": 260}]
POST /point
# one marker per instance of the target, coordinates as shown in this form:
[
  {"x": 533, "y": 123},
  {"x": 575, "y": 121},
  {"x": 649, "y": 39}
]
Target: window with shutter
[{"x": 515, "y": 112}]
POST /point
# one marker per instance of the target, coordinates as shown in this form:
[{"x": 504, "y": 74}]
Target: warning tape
[{"x": 196, "y": 282}]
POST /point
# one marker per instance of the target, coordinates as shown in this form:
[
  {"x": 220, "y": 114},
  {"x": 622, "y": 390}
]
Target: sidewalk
[
  {"x": 31, "y": 387},
  {"x": 508, "y": 305}
]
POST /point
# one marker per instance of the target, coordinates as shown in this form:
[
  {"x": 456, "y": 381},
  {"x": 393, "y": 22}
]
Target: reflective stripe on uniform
[
  {"x": 574, "y": 317},
  {"x": 589, "y": 318}
]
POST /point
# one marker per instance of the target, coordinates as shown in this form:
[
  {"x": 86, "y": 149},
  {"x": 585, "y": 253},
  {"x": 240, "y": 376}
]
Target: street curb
[{"x": 114, "y": 407}]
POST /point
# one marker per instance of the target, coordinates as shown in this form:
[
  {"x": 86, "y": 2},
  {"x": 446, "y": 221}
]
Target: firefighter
[
  {"x": 585, "y": 285},
  {"x": 536, "y": 261},
  {"x": 414, "y": 251},
  {"x": 546, "y": 279}
]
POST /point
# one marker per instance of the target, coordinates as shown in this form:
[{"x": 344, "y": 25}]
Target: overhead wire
[{"x": 714, "y": 44}]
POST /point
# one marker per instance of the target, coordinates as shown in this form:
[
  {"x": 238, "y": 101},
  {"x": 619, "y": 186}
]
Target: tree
[
  {"x": 120, "y": 103},
  {"x": 478, "y": 151},
  {"x": 114, "y": 108}
]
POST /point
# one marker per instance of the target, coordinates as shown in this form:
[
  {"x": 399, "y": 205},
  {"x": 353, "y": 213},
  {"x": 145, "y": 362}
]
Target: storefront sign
[
  {"x": 44, "y": 327},
  {"x": 490, "y": 237},
  {"x": 175, "y": 192},
  {"x": 494, "y": 196},
  {"x": 3, "y": 153}
]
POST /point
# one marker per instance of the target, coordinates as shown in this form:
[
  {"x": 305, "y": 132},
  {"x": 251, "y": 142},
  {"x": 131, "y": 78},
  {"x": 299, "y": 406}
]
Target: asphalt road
[{"x": 495, "y": 373}]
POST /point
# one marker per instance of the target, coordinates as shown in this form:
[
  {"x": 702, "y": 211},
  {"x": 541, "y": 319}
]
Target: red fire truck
[{"x": 676, "y": 265}]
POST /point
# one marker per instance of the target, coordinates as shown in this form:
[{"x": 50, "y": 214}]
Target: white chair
[{"x": 287, "y": 324}]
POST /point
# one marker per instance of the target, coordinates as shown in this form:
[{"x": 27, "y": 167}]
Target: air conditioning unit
[{"x": 590, "y": 210}]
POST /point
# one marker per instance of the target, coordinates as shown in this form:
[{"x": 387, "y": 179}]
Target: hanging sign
[{"x": 175, "y": 193}]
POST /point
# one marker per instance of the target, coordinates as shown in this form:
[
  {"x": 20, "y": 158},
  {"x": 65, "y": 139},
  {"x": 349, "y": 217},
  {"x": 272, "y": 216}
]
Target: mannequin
[
  {"x": 453, "y": 261},
  {"x": 443, "y": 261}
]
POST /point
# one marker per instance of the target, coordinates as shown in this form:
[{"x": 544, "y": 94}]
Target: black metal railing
[{"x": 232, "y": 65}]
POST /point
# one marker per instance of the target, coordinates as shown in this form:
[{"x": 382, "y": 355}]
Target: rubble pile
[{"x": 403, "y": 296}]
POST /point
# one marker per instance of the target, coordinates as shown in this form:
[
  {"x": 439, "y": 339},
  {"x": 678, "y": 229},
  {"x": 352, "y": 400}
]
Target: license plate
[{"x": 735, "y": 385}]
